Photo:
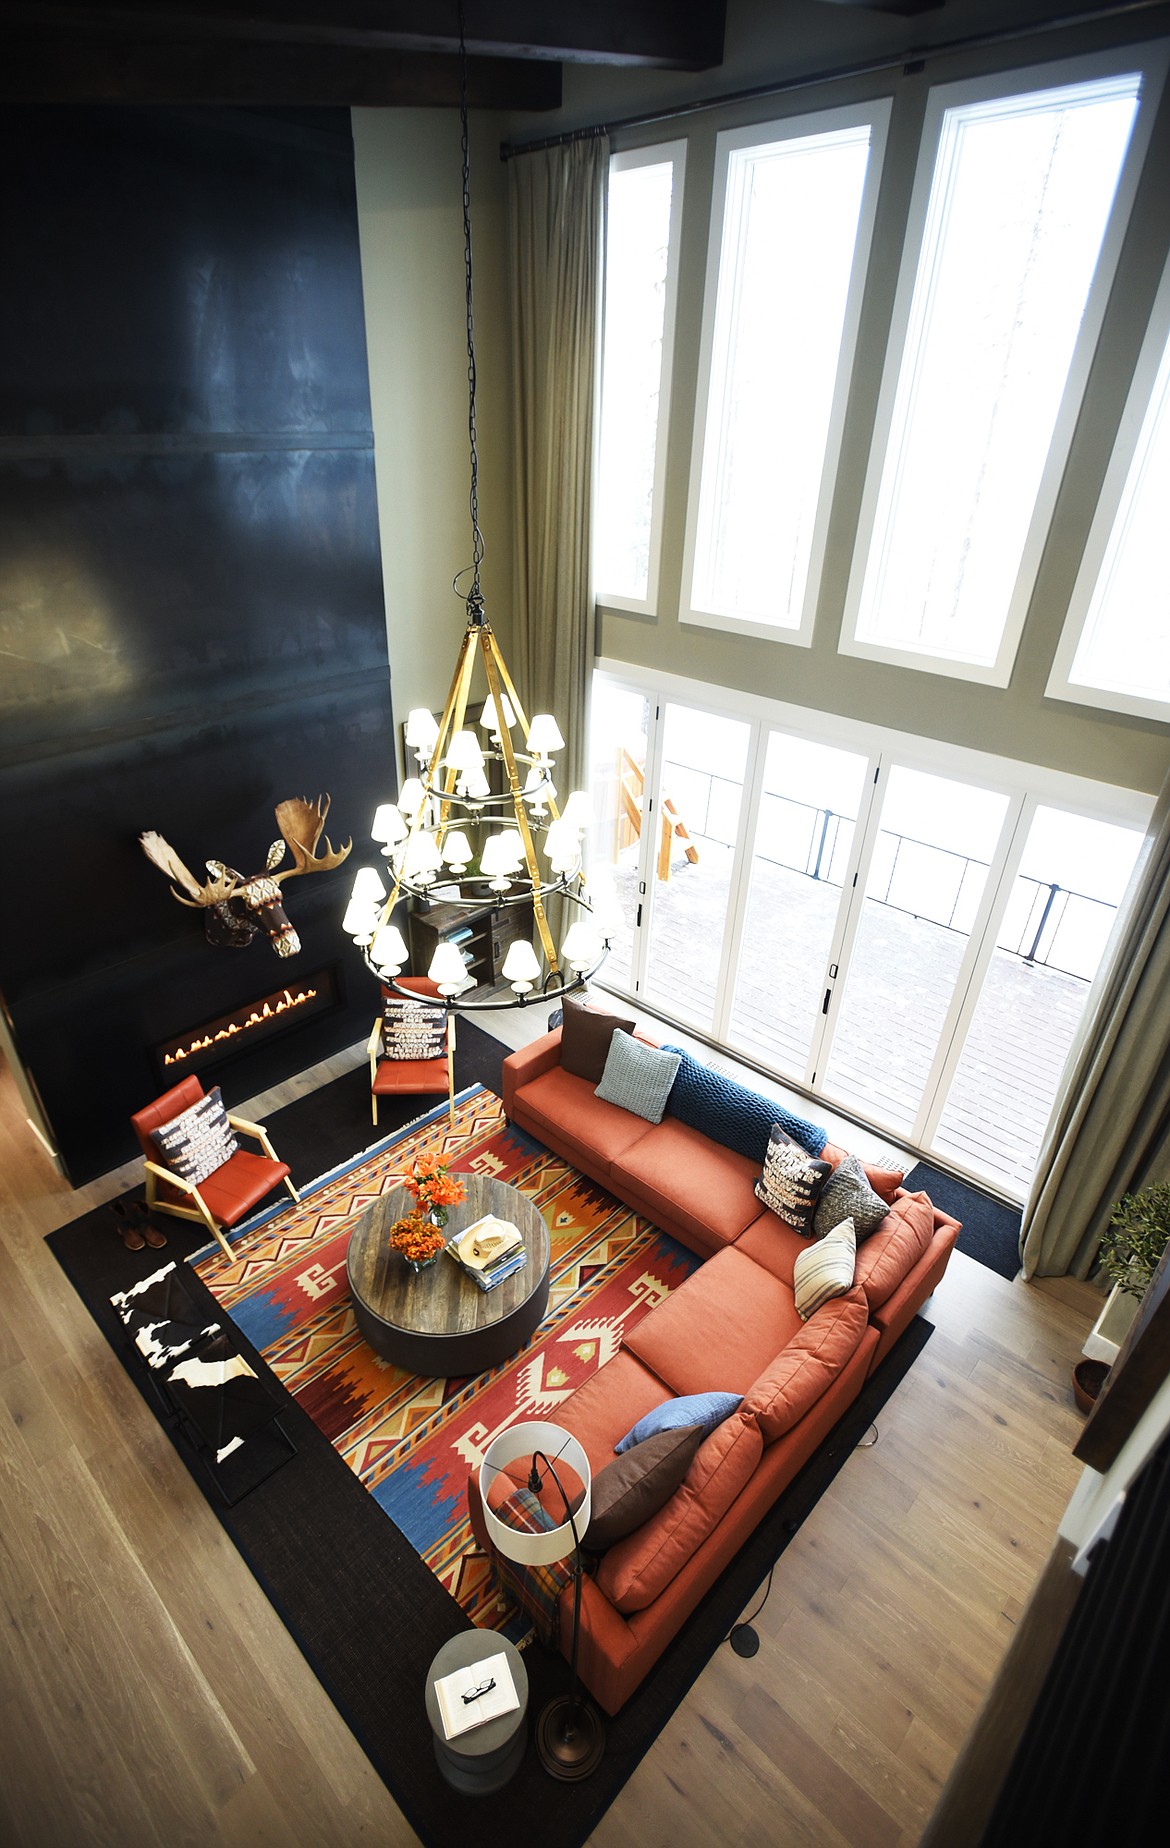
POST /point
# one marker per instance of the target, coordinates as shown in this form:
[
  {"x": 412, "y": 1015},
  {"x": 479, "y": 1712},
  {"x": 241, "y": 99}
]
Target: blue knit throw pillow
[{"x": 731, "y": 1114}]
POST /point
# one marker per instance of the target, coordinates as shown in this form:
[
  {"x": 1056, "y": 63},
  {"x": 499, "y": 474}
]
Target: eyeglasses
[{"x": 485, "y": 1687}]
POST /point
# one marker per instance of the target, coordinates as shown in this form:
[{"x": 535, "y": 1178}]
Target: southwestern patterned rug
[
  {"x": 365, "y": 1612},
  {"x": 409, "y": 1440}
]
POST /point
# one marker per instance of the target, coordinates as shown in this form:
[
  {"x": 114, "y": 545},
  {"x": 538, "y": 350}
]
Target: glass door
[
  {"x": 931, "y": 849},
  {"x": 693, "y": 827},
  {"x": 799, "y": 878},
  {"x": 619, "y": 736}
]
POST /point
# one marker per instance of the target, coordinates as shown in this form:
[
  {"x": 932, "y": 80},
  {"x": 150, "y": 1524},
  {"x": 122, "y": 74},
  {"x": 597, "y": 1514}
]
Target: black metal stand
[{"x": 569, "y": 1731}]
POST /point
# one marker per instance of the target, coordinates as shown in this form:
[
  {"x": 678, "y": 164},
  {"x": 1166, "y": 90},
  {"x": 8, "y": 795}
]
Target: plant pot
[
  {"x": 1112, "y": 1326},
  {"x": 1088, "y": 1378}
]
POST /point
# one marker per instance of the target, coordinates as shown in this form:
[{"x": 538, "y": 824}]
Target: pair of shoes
[
  {"x": 124, "y": 1225},
  {"x": 145, "y": 1224}
]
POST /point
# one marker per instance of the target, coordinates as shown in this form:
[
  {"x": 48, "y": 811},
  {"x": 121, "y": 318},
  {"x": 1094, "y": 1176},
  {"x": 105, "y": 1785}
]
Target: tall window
[
  {"x": 789, "y": 242},
  {"x": 643, "y": 218},
  {"x": 1115, "y": 651},
  {"x": 1000, "y": 303}
]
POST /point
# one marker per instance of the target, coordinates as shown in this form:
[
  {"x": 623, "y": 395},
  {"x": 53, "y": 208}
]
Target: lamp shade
[
  {"x": 387, "y": 949},
  {"x": 544, "y": 735},
  {"x": 411, "y": 797},
  {"x": 367, "y": 886},
  {"x": 422, "y": 730},
  {"x": 521, "y": 1441},
  {"x": 521, "y": 965},
  {"x": 360, "y": 920},
  {"x": 489, "y": 717},
  {"x": 582, "y": 945},
  {"x": 578, "y": 809},
  {"x": 448, "y": 970},
  {"x": 473, "y": 784},
  {"x": 457, "y": 849},
  {"x": 464, "y": 752},
  {"x": 389, "y": 826}
]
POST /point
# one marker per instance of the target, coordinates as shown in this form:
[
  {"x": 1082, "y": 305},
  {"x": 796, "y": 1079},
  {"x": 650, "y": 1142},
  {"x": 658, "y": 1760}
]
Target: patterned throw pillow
[
  {"x": 791, "y": 1182},
  {"x": 825, "y": 1269},
  {"x": 413, "y": 1029},
  {"x": 848, "y": 1195},
  {"x": 198, "y": 1142},
  {"x": 638, "y": 1077}
]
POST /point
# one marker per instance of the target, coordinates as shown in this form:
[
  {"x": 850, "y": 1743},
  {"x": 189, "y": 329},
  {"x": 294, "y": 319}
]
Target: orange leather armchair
[
  {"x": 223, "y": 1197},
  {"x": 411, "y": 1077}
]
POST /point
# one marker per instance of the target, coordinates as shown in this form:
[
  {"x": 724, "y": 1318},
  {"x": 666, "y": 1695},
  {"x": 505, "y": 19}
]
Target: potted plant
[{"x": 1130, "y": 1251}]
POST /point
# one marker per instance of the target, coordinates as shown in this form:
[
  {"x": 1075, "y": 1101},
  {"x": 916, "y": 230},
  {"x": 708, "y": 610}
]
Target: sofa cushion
[
  {"x": 601, "y": 1411},
  {"x": 585, "y": 1036},
  {"x": 791, "y": 1183},
  {"x": 637, "y": 1484},
  {"x": 848, "y": 1195},
  {"x": 673, "y": 1173},
  {"x": 705, "y": 1409},
  {"x": 793, "y": 1382},
  {"x": 590, "y": 1132},
  {"x": 825, "y": 1268},
  {"x": 640, "y": 1567},
  {"x": 637, "y": 1077},
  {"x": 720, "y": 1328},
  {"x": 732, "y": 1114},
  {"x": 893, "y": 1251}
]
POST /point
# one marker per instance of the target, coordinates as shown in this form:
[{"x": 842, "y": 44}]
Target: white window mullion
[{"x": 740, "y": 880}]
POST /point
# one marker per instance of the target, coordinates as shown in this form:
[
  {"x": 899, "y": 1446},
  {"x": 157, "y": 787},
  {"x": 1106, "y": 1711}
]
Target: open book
[{"x": 471, "y": 1696}]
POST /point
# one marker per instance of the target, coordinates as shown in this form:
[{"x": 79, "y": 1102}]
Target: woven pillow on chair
[
  {"x": 199, "y": 1141},
  {"x": 536, "y": 1589},
  {"x": 413, "y": 1029}
]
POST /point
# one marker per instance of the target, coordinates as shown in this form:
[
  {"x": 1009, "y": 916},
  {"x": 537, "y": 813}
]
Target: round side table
[{"x": 482, "y": 1760}]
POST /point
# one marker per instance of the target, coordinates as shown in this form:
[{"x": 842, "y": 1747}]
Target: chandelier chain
[{"x": 475, "y": 595}]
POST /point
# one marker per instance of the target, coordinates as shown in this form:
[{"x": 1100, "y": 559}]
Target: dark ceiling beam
[
  {"x": 904, "y": 8},
  {"x": 659, "y": 34},
  {"x": 99, "y": 68}
]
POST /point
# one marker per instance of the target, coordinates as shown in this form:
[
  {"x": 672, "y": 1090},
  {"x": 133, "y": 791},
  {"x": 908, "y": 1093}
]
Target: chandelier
[{"x": 479, "y": 824}]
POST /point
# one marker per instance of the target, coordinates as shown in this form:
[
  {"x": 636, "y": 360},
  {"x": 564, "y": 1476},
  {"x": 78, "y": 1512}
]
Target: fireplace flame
[{"x": 259, "y": 1015}]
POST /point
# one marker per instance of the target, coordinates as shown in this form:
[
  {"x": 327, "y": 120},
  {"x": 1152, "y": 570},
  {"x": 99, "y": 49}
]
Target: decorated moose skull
[{"x": 238, "y": 908}]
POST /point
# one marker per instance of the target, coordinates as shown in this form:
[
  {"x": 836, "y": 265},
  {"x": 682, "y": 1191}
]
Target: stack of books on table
[{"x": 488, "y": 1251}]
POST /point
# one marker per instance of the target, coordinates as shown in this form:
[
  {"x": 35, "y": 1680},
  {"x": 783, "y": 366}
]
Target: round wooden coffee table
[{"x": 438, "y": 1322}]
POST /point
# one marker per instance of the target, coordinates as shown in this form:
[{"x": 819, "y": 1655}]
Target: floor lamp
[{"x": 570, "y": 1733}]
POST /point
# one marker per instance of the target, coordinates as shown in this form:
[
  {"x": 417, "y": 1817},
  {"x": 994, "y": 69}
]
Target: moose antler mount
[{"x": 241, "y": 907}]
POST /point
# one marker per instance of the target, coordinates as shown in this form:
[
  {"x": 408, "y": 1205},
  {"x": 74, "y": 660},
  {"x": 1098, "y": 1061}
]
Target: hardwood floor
[{"x": 150, "y": 1694}]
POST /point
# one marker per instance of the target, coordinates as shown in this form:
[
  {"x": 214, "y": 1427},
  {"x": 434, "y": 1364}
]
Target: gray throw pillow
[
  {"x": 638, "y": 1077},
  {"x": 848, "y": 1195}
]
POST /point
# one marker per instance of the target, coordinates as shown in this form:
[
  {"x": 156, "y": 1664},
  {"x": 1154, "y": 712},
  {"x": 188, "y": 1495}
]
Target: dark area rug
[
  {"x": 991, "y": 1230},
  {"x": 366, "y": 1613}
]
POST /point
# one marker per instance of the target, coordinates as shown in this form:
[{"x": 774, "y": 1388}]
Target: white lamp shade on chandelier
[
  {"x": 422, "y": 729},
  {"x": 544, "y": 736}
]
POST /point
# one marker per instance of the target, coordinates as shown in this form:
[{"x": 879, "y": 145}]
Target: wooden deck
[{"x": 995, "y": 1116}]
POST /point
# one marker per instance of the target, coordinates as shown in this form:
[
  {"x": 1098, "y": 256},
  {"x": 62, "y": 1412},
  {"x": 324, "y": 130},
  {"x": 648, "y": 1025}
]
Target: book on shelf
[{"x": 473, "y": 1695}]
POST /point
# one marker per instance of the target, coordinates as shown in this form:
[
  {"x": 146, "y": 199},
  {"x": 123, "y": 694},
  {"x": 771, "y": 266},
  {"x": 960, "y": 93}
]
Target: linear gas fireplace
[{"x": 247, "y": 1025}]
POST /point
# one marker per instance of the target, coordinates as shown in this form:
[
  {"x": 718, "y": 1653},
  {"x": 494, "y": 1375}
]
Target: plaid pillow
[
  {"x": 199, "y": 1141},
  {"x": 536, "y": 1589},
  {"x": 791, "y": 1182},
  {"x": 413, "y": 1029}
]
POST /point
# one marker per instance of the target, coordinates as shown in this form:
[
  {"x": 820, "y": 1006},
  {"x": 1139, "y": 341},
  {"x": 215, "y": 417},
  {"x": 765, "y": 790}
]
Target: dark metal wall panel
[{"x": 191, "y": 614}]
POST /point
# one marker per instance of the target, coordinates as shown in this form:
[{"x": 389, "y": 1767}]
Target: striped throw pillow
[{"x": 825, "y": 1269}]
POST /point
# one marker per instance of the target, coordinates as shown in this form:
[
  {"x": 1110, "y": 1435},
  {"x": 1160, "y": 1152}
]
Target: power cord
[{"x": 744, "y": 1639}]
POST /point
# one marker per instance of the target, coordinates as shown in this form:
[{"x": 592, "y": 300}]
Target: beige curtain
[
  {"x": 555, "y": 205},
  {"x": 1110, "y": 1129}
]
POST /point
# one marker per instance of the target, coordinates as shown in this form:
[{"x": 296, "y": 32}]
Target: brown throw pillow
[
  {"x": 638, "y": 1483},
  {"x": 585, "y": 1037}
]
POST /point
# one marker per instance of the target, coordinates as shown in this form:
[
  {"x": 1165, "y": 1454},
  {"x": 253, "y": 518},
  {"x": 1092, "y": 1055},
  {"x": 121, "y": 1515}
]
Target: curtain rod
[{"x": 910, "y": 61}]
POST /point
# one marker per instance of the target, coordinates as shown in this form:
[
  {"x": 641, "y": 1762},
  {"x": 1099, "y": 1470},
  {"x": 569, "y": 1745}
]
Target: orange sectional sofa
[{"x": 732, "y": 1327}]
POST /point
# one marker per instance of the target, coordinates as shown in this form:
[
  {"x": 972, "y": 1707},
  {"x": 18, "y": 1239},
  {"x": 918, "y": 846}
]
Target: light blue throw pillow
[
  {"x": 638, "y": 1077},
  {"x": 707, "y": 1409}
]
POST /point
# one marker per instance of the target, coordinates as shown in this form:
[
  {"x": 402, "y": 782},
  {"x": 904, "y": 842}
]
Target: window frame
[
  {"x": 655, "y": 154},
  {"x": 876, "y": 115},
  {"x": 1149, "y": 61},
  {"x": 1111, "y": 504}
]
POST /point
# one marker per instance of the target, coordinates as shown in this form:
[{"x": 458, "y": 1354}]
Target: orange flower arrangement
[
  {"x": 432, "y": 1184},
  {"x": 416, "y": 1238}
]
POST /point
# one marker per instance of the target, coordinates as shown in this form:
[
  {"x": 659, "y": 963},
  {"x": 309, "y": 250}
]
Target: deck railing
[{"x": 824, "y": 838}]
